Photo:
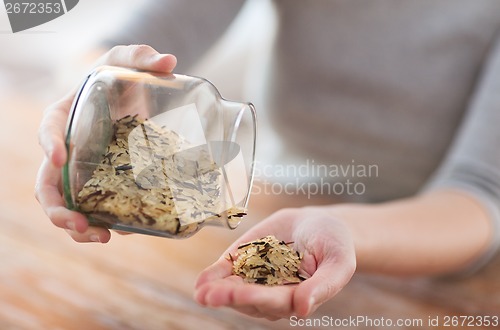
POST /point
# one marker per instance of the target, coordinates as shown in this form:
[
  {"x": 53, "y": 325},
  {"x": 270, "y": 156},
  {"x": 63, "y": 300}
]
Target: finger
[
  {"x": 93, "y": 234},
  {"x": 270, "y": 302},
  {"x": 254, "y": 312},
  {"x": 208, "y": 295},
  {"x": 222, "y": 268},
  {"x": 141, "y": 57},
  {"x": 325, "y": 283},
  {"x": 201, "y": 294},
  {"x": 49, "y": 196},
  {"x": 250, "y": 311},
  {"x": 51, "y": 131},
  {"x": 120, "y": 232}
]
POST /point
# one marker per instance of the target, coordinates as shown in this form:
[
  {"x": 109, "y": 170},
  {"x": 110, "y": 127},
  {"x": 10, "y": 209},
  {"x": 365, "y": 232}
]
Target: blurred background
[
  {"x": 47, "y": 281},
  {"x": 32, "y": 60},
  {"x": 47, "y": 53}
]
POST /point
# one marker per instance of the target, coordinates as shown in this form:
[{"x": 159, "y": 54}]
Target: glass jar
[{"x": 158, "y": 154}]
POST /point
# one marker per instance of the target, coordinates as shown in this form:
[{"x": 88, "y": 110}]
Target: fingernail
[
  {"x": 70, "y": 225},
  {"x": 95, "y": 238}
]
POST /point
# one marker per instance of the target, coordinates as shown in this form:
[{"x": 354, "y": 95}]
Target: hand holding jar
[{"x": 153, "y": 153}]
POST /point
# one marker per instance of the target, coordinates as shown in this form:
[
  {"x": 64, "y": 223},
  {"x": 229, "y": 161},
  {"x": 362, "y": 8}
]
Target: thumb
[
  {"x": 140, "y": 57},
  {"x": 329, "y": 278},
  {"x": 220, "y": 269}
]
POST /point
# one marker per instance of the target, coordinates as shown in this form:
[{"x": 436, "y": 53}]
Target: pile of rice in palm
[{"x": 267, "y": 261}]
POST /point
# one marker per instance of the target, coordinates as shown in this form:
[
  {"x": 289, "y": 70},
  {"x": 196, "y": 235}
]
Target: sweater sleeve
[
  {"x": 185, "y": 28},
  {"x": 473, "y": 162}
]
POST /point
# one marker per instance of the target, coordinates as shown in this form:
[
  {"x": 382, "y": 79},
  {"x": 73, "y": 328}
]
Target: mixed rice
[
  {"x": 267, "y": 261},
  {"x": 145, "y": 180}
]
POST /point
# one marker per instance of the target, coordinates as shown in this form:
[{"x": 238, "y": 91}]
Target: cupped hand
[
  {"x": 51, "y": 138},
  {"x": 329, "y": 259}
]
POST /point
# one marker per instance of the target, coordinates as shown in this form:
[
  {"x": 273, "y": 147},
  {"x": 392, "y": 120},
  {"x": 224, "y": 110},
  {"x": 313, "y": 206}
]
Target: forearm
[{"x": 436, "y": 233}]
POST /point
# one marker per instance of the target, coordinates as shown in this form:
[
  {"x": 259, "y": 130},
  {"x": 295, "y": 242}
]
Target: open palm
[{"x": 329, "y": 260}]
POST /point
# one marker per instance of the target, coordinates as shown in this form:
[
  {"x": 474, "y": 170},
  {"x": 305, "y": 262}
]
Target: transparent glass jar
[{"x": 158, "y": 154}]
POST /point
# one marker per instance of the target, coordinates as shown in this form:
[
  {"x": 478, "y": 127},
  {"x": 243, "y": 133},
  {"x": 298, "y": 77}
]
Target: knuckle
[
  {"x": 139, "y": 51},
  {"x": 48, "y": 124},
  {"x": 330, "y": 290},
  {"x": 48, "y": 110},
  {"x": 110, "y": 56},
  {"x": 79, "y": 239},
  {"x": 53, "y": 218},
  {"x": 114, "y": 50},
  {"x": 43, "y": 125}
]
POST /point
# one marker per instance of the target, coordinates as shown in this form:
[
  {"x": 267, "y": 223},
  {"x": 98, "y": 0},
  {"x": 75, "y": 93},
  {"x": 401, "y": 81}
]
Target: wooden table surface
[{"x": 47, "y": 281}]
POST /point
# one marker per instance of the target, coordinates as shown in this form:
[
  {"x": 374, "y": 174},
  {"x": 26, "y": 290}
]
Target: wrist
[{"x": 351, "y": 216}]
